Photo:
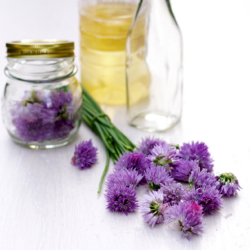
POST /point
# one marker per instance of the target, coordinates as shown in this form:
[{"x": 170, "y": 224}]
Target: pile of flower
[
  {"x": 161, "y": 168},
  {"x": 158, "y": 166},
  {"x": 44, "y": 115}
]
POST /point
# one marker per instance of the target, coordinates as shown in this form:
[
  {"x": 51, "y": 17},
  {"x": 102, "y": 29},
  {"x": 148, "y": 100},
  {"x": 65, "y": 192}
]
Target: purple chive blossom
[
  {"x": 123, "y": 177},
  {"x": 133, "y": 161},
  {"x": 148, "y": 143},
  {"x": 165, "y": 156},
  {"x": 183, "y": 170},
  {"x": 201, "y": 178},
  {"x": 58, "y": 101},
  {"x": 62, "y": 127},
  {"x": 31, "y": 124},
  {"x": 198, "y": 152},
  {"x": 189, "y": 216},
  {"x": 85, "y": 155},
  {"x": 44, "y": 115},
  {"x": 152, "y": 208},
  {"x": 121, "y": 199},
  {"x": 206, "y": 196},
  {"x": 174, "y": 193},
  {"x": 228, "y": 184},
  {"x": 156, "y": 177}
]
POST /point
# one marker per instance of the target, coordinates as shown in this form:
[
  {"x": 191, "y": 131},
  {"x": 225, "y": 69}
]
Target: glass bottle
[
  {"x": 104, "y": 25},
  {"x": 160, "y": 108},
  {"x": 42, "y": 98}
]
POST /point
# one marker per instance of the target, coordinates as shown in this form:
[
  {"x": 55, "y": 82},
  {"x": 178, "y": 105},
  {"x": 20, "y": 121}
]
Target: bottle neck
[{"x": 40, "y": 69}]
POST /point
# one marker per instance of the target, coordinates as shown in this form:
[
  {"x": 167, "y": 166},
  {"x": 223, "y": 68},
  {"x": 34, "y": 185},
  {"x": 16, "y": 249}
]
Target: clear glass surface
[
  {"x": 38, "y": 111},
  {"x": 104, "y": 26},
  {"x": 40, "y": 70},
  {"x": 159, "y": 106}
]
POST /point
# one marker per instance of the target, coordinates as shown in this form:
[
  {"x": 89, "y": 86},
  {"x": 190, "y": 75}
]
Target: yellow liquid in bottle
[{"x": 103, "y": 31}]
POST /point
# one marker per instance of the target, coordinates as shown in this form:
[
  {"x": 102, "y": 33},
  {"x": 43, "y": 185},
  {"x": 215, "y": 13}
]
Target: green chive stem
[
  {"x": 116, "y": 143},
  {"x": 104, "y": 171}
]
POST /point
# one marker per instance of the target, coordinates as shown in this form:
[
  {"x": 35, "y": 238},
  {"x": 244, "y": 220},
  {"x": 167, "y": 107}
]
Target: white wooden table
[{"x": 45, "y": 203}]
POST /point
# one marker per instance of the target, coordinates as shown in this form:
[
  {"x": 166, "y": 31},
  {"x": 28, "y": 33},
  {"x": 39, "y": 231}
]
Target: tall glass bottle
[
  {"x": 104, "y": 26},
  {"x": 159, "y": 108}
]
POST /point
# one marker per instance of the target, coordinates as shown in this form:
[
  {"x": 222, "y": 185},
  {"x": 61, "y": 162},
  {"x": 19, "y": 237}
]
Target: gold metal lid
[{"x": 40, "y": 49}]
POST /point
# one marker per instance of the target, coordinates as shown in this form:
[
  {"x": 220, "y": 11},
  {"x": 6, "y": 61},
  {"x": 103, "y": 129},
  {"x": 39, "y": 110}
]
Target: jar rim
[
  {"x": 40, "y": 49},
  {"x": 59, "y": 79}
]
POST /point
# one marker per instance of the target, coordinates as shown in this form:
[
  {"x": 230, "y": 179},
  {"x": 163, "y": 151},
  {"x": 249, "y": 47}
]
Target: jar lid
[{"x": 40, "y": 49}]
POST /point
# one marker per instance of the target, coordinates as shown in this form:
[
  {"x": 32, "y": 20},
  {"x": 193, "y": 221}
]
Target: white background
[{"x": 45, "y": 203}]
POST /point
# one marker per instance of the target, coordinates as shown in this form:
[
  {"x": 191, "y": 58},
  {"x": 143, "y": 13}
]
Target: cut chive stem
[
  {"x": 104, "y": 171},
  {"x": 116, "y": 143}
]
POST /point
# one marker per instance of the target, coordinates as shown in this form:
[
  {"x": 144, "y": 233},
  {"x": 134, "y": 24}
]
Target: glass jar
[
  {"x": 42, "y": 98},
  {"x": 159, "y": 105},
  {"x": 104, "y": 25}
]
